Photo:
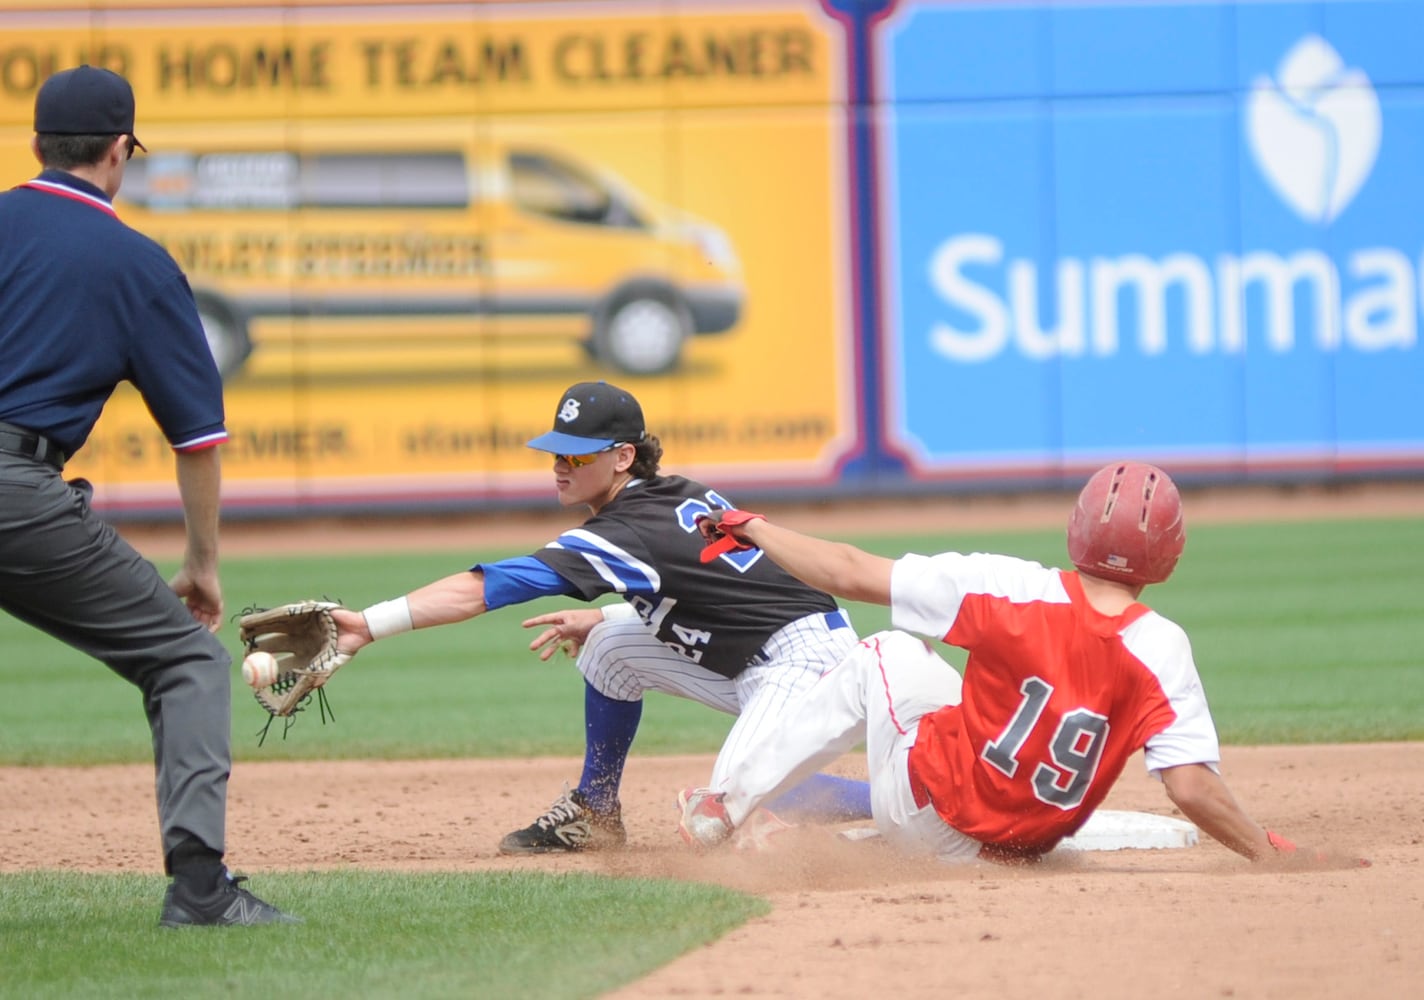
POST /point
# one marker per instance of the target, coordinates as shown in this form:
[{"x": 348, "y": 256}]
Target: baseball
[{"x": 259, "y": 669}]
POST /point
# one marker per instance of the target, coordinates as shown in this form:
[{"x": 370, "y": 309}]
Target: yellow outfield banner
[{"x": 409, "y": 227}]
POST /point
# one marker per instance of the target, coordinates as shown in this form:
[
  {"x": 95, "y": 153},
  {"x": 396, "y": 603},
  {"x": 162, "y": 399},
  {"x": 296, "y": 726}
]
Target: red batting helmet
[{"x": 1127, "y": 524}]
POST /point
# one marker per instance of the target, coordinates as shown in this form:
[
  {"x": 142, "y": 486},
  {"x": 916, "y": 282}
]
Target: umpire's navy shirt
[{"x": 87, "y": 303}]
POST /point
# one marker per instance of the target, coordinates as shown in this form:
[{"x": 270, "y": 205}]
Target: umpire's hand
[{"x": 202, "y": 592}]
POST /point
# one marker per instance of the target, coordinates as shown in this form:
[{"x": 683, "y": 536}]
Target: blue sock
[
  {"x": 823, "y": 798},
  {"x": 609, "y": 727}
]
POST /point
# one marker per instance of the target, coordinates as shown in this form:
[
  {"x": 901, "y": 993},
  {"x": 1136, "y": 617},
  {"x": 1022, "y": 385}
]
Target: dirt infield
[{"x": 849, "y": 920}]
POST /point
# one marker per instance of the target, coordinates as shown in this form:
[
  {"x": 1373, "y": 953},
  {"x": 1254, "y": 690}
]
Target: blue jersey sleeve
[{"x": 514, "y": 581}]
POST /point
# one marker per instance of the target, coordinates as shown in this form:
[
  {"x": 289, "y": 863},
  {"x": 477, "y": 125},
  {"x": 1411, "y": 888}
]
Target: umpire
[{"x": 86, "y": 303}]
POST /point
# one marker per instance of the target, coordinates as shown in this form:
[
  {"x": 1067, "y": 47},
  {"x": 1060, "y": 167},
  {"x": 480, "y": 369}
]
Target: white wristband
[
  {"x": 621, "y": 611},
  {"x": 388, "y": 618}
]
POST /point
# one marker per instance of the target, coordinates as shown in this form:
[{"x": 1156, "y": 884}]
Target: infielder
[
  {"x": 737, "y": 634},
  {"x": 1068, "y": 675},
  {"x": 87, "y": 303}
]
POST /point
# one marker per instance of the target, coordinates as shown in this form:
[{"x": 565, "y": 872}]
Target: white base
[
  {"x": 1116, "y": 830},
  {"x": 1106, "y": 830}
]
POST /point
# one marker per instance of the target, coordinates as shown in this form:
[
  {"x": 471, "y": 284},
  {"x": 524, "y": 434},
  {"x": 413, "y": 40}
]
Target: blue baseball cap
[
  {"x": 593, "y": 416},
  {"x": 86, "y": 100}
]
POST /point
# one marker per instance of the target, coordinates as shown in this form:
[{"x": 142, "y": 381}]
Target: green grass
[
  {"x": 1307, "y": 633},
  {"x": 367, "y": 934},
  {"x": 1302, "y": 632}
]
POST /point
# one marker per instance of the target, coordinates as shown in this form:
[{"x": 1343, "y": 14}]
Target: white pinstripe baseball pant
[
  {"x": 622, "y": 659},
  {"x": 876, "y": 696}
]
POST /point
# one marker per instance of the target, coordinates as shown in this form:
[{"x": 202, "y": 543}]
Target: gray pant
[{"x": 68, "y": 573}]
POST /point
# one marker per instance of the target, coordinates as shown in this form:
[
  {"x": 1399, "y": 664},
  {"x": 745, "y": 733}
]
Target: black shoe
[
  {"x": 227, "y": 905},
  {"x": 569, "y": 825}
]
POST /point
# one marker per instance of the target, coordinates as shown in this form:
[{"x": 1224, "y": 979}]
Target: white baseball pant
[
  {"x": 876, "y": 696},
  {"x": 622, "y": 659}
]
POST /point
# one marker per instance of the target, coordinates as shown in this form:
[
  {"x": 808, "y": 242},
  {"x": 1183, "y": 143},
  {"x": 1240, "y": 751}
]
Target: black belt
[{"x": 18, "y": 441}]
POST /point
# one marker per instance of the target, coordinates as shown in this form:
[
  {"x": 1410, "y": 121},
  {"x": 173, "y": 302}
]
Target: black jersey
[{"x": 645, "y": 546}]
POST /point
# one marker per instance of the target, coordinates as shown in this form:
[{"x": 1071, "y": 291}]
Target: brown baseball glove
[{"x": 302, "y": 639}]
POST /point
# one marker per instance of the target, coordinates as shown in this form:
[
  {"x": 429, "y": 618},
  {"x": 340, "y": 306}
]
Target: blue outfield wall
[{"x": 1191, "y": 232}]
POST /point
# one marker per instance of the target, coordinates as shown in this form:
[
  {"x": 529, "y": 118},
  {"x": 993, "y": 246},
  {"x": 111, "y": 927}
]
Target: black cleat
[
  {"x": 228, "y": 905},
  {"x": 569, "y": 826}
]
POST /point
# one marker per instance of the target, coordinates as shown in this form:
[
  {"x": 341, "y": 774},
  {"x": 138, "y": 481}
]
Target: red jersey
[{"x": 1057, "y": 696}]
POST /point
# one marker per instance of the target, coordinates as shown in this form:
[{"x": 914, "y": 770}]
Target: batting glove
[{"x": 717, "y": 528}]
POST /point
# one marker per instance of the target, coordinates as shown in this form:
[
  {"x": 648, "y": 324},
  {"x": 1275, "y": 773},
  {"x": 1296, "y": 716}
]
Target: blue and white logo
[
  {"x": 1174, "y": 230},
  {"x": 1314, "y": 130}
]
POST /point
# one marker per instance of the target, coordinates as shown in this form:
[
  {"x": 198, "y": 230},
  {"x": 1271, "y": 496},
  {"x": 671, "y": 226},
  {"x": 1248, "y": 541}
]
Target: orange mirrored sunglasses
[{"x": 579, "y": 461}]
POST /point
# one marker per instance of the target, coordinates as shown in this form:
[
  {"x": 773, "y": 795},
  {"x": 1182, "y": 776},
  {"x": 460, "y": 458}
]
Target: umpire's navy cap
[
  {"x": 593, "y": 416},
  {"x": 86, "y": 100}
]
